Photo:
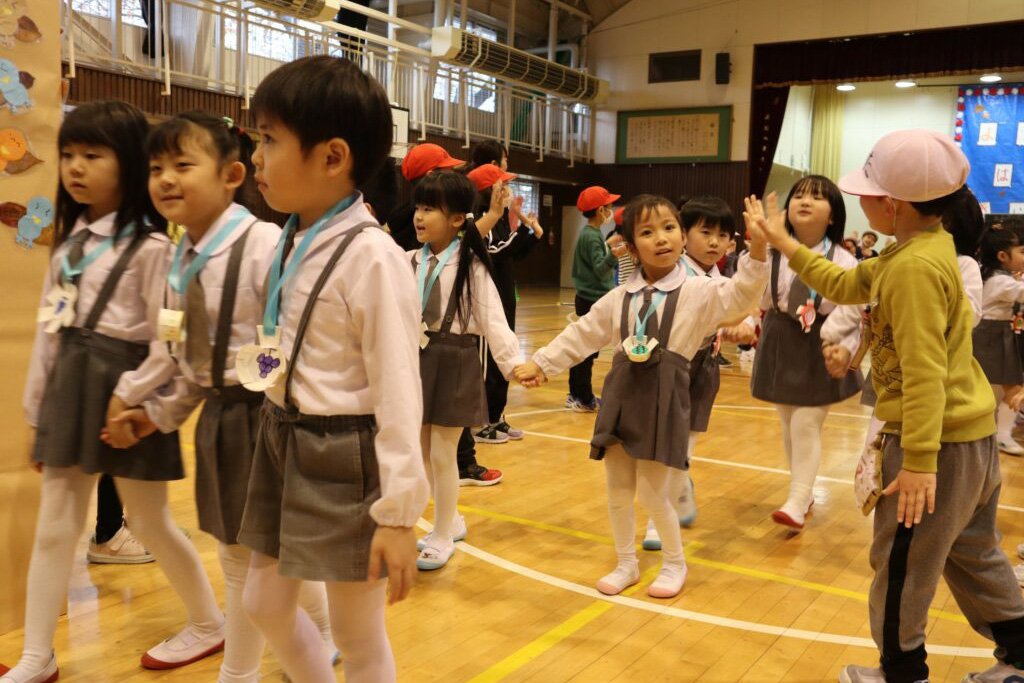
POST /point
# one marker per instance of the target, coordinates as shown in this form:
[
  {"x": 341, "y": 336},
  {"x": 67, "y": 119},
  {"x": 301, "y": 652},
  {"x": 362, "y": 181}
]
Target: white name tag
[{"x": 170, "y": 326}]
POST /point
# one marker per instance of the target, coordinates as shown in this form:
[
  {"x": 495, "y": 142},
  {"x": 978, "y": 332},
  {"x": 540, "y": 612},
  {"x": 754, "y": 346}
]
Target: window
[
  {"x": 264, "y": 41},
  {"x": 530, "y": 192},
  {"x": 131, "y": 10},
  {"x": 667, "y": 67},
  {"x": 481, "y": 88}
]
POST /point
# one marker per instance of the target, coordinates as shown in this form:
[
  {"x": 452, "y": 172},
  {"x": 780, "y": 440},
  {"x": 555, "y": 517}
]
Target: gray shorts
[{"x": 313, "y": 481}]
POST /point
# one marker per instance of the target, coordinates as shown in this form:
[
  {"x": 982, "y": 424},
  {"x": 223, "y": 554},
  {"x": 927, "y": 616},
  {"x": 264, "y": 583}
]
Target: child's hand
[
  {"x": 394, "y": 547},
  {"x": 529, "y": 375},
  {"x": 534, "y": 224},
  {"x": 1016, "y": 400},
  {"x": 138, "y": 423},
  {"x": 765, "y": 221},
  {"x": 837, "y": 360},
  {"x": 916, "y": 489},
  {"x": 738, "y": 334},
  {"x": 119, "y": 433}
]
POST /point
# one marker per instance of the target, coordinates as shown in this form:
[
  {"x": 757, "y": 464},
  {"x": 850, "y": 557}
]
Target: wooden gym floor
[{"x": 516, "y": 603}]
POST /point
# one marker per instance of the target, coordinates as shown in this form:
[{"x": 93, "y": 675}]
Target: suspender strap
[
  {"x": 111, "y": 282},
  {"x": 776, "y": 262},
  {"x": 227, "y": 311},
  {"x": 665, "y": 321},
  {"x": 449, "y": 314},
  {"x": 828, "y": 257},
  {"x": 300, "y": 332}
]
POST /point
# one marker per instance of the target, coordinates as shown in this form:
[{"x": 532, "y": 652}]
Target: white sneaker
[
  {"x": 49, "y": 674},
  {"x": 747, "y": 356},
  {"x": 669, "y": 581},
  {"x": 435, "y": 555},
  {"x": 184, "y": 648},
  {"x": 622, "y": 577},
  {"x": 1020, "y": 551},
  {"x": 123, "y": 548},
  {"x": 1010, "y": 447},
  {"x": 861, "y": 674},
  {"x": 651, "y": 539},
  {"x": 998, "y": 673},
  {"x": 458, "y": 533}
]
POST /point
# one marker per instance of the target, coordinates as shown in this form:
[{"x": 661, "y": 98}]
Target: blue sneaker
[
  {"x": 576, "y": 405},
  {"x": 688, "y": 507},
  {"x": 651, "y": 539}
]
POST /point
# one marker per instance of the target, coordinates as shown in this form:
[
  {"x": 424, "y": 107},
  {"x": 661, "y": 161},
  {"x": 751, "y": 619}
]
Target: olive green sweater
[
  {"x": 930, "y": 387},
  {"x": 593, "y": 265}
]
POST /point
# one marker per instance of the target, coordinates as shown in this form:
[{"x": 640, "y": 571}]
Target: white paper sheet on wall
[
  {"x": 1017, "y": 207},
  {"x": 1003, "y": 175},
  {"x": 987, "y": 134},
  {"x": 1020, "y": 133}
]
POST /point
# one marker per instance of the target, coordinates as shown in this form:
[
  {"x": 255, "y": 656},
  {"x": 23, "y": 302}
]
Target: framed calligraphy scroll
[{"x": 664, "y": 136}]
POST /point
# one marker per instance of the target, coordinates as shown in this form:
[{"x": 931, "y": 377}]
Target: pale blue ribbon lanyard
[
  {"x": 811, "y": 292},
  {"x": 640, "y": 328},
  {"x": 178, "y": 281},
  {"x": 425, "y": 286},
  {"x": 72, "y": 271},
  {"x": 277, "y": 278}
]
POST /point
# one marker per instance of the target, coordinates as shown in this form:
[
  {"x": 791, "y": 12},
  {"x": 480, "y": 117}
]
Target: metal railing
[{"x": 229, "y": 47}]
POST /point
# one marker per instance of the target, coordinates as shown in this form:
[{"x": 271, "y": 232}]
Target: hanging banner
[{"x": 990, "y": 131}]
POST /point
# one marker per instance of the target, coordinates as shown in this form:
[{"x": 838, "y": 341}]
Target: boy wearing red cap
[{"x": 593, "y": 275}]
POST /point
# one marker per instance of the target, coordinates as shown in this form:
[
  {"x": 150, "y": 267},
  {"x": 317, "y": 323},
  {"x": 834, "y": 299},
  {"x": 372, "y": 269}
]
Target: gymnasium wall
[{"x": 618, "y": 47}]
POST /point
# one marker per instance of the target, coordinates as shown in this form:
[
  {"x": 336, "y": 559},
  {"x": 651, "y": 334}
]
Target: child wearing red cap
[
  {"x": 938, "y": 449},
  {"x": 418, "y": 162},
  {"x": 593, "y": 275},
  {"x": 504, "y": 246}
]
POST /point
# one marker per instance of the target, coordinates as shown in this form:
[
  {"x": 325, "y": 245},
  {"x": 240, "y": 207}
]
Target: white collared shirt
[
  {"x": 360, "y": 355},
  {"x": 840, "y": 257},
  {"x": 998, "y": 295},
  {"x": 704, "y": 304},
  {"x": 698, "y": 269},
  {"x": 487, "y": 317},
  {"x": 129, "y": 314},
  {"x": 175, "y": 403}
]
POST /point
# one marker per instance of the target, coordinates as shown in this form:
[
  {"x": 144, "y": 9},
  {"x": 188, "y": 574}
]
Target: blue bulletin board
[{"x": 990, "y": 131}]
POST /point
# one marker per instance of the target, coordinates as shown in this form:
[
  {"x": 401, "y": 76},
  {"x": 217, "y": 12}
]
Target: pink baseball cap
[{"x": 910, "y": 165}]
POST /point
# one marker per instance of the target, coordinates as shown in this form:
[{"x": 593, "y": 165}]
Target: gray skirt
[
  {"x": 225, "y": 441},
  {"x": 646, "y": 408},
  {"x": 85, "y": 372},
  {"x": 705, "y": 381},
  {"x": 453, "y": 381},
  {"x": 995, "y": 347},
  {"x": 313, "y": 480},
  {"x": 789, "y": 368}
]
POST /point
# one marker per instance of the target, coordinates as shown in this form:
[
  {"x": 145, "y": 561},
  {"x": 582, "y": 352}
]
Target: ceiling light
[
  {"x": 905, "y": 84},
  {"x": 990, "y": 78},
  {"x": 846, "y": 87}
]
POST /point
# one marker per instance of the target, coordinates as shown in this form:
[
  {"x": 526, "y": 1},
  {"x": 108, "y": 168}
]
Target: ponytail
[
  {"x": 472, "y": 246},
  {"x": 962, "y": 218}
]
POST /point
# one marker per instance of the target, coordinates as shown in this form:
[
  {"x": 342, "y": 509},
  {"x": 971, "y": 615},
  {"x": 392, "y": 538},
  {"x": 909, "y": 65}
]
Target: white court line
[
  {"x": 741, "y": 465},
  {"x": 540, "y": 411},
  {"x": 767, "y": 629}
]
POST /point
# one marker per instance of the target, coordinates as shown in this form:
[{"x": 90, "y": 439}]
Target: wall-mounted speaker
[{"x": 722, "y": 68}]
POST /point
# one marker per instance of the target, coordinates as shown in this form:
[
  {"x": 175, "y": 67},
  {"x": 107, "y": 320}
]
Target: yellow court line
[
  {"x": 549, "y": 639},
  {"x": 693, "y": 547}
]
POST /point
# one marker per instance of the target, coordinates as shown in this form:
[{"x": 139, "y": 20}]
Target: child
[
  {"x": 418, "y": 162},
  {"x": 789, "y": 368},
  {"x": 337, "y": 477},
  {"x": 709, "y": 227},
  {"x": 939, "y": 449},
  {"x": 593, "y": 265},
  {"x": 995, "y": 338},
  {"x": 504, "y": 246},
  {"x": 199, "y": 177},
  {"x": 95, "y": 342},
  {"x": 460, "y": 304},
  {"x": 867, "y": 246},
  {"x": 626, "y": 266},
  {"x": 660, "y": 318}
]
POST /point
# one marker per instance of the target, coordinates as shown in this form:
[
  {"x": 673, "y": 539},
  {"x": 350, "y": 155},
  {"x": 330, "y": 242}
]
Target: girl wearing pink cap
[{"x": 939, "y": 474}]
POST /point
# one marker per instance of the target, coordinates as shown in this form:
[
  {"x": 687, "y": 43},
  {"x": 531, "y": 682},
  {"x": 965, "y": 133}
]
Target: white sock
[
  {"x": 313, "y": 599},
  {"x": 357, "y": 616},
  {"x": 64, "y": 503},
  {"x": 443, "y": 445},
  {"x": 243, "y": 642},
  {"x": 1004, "y": 422},
  {"x": 620, "y": 479},
  {"x": 802, "y": 427},
  {"x": 653, "y": 492}
]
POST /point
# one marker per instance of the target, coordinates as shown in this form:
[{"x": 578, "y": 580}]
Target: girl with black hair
[
  {"x": 460, "y": 304},
  {"x": 200, "y": 177},
  {"x": 96, "y": 343},
  {"x": 789, "y": 368},
  {"x": 1001, "y": 255}
]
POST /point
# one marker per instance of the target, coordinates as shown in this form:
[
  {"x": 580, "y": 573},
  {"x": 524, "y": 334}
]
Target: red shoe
[
  {"x": 478, "y": 475},
  {"x": 47, "y": 675}
]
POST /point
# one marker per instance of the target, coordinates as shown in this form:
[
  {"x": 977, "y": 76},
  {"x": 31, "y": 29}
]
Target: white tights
[
  {"x": 243, "y": 642},
  {"x": 65, "y": 496},
  {"x": 646, "y": 480},
  {"x": 679, "y": 480},
  {"x": 801, "y": 438},
  {"x": 1004, "y": 415},
  {"x": 440, "y": 445},
  {"x": 357, "y": 623}
]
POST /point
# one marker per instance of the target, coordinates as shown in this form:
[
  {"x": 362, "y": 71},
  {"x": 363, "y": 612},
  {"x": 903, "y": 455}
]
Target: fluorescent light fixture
[
  {"x": 990, "y": 78},
  {"x": 846, "y": 87},
  {"x": 905, "y": 84}
]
